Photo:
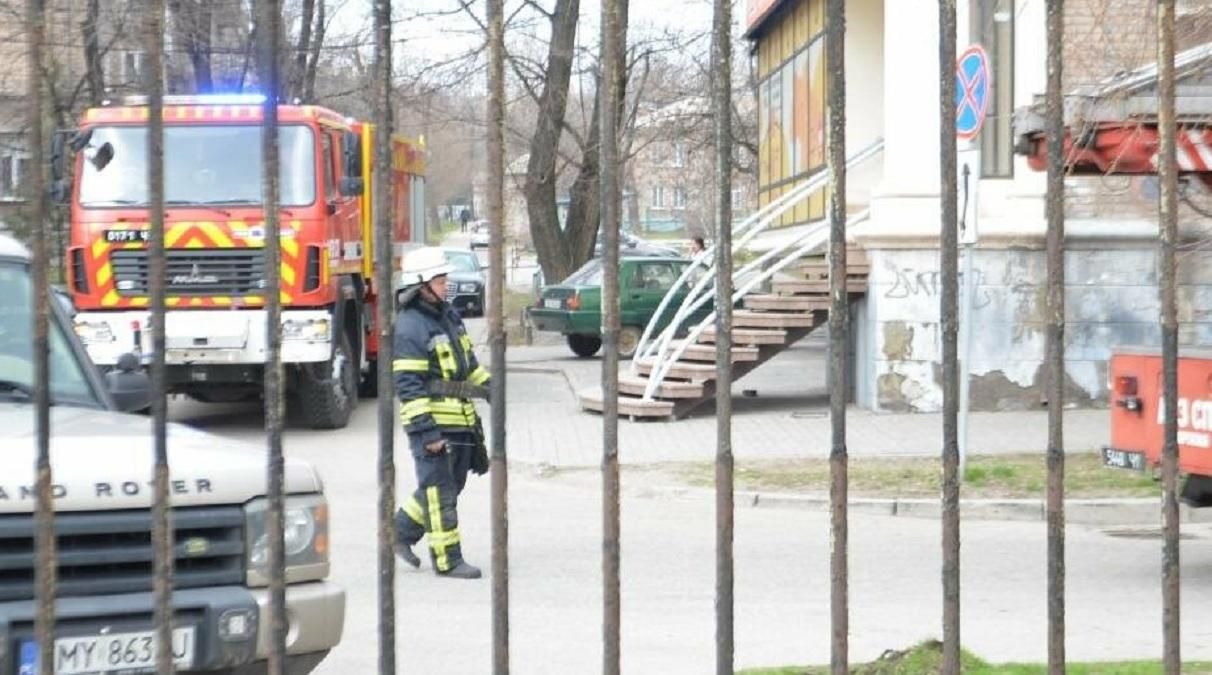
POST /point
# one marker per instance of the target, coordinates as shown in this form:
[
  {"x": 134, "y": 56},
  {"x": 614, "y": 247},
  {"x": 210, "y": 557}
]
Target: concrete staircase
[{"x": 795, "y": 304}]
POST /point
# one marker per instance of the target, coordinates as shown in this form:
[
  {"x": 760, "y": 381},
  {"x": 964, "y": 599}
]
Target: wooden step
[
  {"x": 706, "y": 352},
  {"x": 744, "y": 318},
  {"x": 814, "y": 271},
  {"x": 786, "y": 303},
  {"x": 669, "y": 389},
  {"x": 815, "y": 286},
  {"x": 749, "y": 336},
  {"x": 683, "y": 370},
  {"x": 629, "y": 406}
]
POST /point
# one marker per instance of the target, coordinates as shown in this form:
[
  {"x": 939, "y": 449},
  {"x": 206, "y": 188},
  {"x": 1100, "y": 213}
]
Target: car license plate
[
  {"x": 126, "y": 236},
  {"x": 118, "y": 652},
  {"x": 1123, "y": 459},
  {"x": 553, "y": 303}
]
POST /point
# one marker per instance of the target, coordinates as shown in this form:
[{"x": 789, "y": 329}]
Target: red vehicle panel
[{"x": 1137, "y": 408}]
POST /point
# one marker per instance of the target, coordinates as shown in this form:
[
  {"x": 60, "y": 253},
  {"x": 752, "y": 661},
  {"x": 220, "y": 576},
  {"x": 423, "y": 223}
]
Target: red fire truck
[{"x": 215, "y": 328}]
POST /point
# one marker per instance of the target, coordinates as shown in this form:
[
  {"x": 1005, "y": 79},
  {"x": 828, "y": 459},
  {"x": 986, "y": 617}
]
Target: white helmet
[{"x": 422, "y": 265}]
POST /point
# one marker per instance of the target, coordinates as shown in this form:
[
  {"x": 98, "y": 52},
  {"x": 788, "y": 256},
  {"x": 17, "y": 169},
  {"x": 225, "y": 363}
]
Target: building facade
[{"x": 892, "y": 95}]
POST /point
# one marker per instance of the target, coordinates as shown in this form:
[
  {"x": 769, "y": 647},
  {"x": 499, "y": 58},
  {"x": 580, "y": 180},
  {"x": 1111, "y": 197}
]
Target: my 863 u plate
[{"x": 110, "y": 653}]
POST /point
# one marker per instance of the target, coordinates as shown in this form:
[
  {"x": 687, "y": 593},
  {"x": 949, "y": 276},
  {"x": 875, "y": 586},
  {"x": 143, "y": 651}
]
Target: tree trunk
[
  {"x": 317, "y": 42},
  {"x": 92, "y": 54},
  {"x": 540, "y": 186},
  {"x": 302, "y": 49},
  {"x": 192, "y": 26}
]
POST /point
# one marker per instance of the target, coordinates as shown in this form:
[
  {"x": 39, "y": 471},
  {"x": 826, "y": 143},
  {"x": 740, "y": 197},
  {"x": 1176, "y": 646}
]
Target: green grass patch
[
  {"x": 926, "y": 659},
  {"x": 985, "y": 476}
]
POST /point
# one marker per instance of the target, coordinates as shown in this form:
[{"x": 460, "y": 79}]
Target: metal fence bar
[
  {"x": 839, "y": 329},
  {"x": 268, "y": 48},
  {"x": 496, "y": 335},
  {"x": 44, "y": 516},
  {"x": 948, "y": 311},
  {"x": 384, "y": 253},
  {"x": 162, "y": 537},
  {"x": 721, "y": 54},
  {"x": 610, "y": 206},
  {"x": 1168, "y": 221},
  {"x": 1055, "y": 208}
]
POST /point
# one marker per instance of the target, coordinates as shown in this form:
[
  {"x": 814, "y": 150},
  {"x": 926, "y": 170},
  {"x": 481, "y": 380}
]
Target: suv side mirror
[{"x": 129, "y": 386}]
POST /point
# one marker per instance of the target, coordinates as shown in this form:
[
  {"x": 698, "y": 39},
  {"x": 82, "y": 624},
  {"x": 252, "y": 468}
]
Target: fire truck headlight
[
  {"x": 306, "y": 329},
  {"x": 94, "y": 332},
  {"x": 468, "y": 288}
]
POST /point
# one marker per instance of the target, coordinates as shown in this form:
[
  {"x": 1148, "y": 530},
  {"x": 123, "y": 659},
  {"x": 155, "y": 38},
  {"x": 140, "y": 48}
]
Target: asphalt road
[{"x": 782, "y": 583}]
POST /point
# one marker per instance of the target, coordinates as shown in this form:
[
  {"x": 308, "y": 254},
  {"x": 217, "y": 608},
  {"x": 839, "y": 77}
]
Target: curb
[{"x": 1077, "y": 511}]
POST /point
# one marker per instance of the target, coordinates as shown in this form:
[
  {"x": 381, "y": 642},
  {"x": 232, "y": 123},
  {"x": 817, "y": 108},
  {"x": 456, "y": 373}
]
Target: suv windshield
[
  {"x": 217, "y": 164},
  {"x": 463, "y": 262},
  {"x": 69, "y": 384}
]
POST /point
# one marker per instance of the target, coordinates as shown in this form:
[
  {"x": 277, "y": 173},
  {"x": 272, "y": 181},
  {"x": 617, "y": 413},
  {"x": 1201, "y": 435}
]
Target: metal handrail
[
  {"x": 660, "y": 346},
  {"x": 808, "y": 241}
]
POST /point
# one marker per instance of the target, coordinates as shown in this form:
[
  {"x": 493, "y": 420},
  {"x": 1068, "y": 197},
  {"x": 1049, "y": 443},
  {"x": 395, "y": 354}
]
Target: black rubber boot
[
  {"x": 405, "y": 553},
  {"x": 462, "y": 571}
]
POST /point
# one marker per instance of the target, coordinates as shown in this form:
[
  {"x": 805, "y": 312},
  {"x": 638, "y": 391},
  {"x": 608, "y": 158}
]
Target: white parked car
[{"x": 480, "y": 232}]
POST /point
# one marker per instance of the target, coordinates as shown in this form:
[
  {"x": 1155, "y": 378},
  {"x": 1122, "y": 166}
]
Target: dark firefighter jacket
[{"x": 432, "y": 344}]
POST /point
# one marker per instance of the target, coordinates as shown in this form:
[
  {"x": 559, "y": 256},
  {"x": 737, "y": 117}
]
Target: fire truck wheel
[{"x": 328, "y": 391}]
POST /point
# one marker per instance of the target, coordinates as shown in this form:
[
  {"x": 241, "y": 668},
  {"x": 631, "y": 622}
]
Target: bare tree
[{"x": 191, "y": 26}]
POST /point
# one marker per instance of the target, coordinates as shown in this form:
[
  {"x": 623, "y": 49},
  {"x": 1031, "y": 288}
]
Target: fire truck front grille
[
  {"x": 239, "y": 271},
  {"x": 111, "y": 552}
]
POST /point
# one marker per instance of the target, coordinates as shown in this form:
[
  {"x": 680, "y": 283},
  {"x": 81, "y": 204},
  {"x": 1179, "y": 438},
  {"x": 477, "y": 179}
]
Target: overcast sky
[{"x": 446, "y": 36}]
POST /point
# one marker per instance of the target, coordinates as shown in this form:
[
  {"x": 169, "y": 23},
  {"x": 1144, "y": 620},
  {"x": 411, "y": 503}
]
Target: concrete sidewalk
[{"x": 787, "y": 416}]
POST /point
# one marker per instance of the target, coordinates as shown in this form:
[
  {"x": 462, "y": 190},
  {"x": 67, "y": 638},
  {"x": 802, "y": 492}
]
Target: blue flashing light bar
[{"x": 201, "y": 99}]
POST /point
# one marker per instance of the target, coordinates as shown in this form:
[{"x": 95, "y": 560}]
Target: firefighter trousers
[{"x": 432, "y": 509}]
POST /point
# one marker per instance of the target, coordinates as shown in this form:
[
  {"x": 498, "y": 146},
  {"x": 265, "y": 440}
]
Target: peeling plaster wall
[{"x": 1111, "y": 300}]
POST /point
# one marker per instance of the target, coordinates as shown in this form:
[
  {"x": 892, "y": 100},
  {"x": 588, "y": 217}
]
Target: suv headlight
[
  {"x": 305, "y": 329},
  {"x": 305, "y": 534},
  {"x": 470, "y": 287}
]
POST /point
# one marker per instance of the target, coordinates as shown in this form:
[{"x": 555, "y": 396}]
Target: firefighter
[{"x": 436, "y": 374}]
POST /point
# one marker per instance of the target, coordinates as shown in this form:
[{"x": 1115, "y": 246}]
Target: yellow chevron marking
[
  {"x": 93, "y": 114},
  {"x": 252, "y": 300},
  {"x": 180, "y": 112},
  {"x": 288, "y": 274},
  {"x": 217, "y": 236},
  {"x": 132, "y": 246},
  {"x": 175, "y": 233},
  {"x": 291, "y": 247},
  {"x": 127, "y": 113},
  {"x": 110, "y": 299},
  {"x": 104, "y": 274},
  {"x": 99, "y": 248},
  {"x": 172, "y": 302},
  {"x": 196, "y": 302},
  {"x": 199, "y": 113},
  {"x": 194, "y": 243},
  {"x": 223, "y": 301},
  {"x": 139, "y": 302},
  {"x": 144, "y": 113},
  {"x": 285, "y": 297}
]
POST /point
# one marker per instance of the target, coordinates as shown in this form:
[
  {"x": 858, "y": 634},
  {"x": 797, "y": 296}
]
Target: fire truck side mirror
[
  {"x": 352, "y": 145},
  {"x": 350, "y": 186}
]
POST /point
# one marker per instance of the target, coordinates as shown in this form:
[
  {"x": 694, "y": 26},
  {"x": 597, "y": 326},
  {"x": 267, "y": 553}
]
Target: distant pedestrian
[
  {"x": 464, "y": 217},
  {"x": 697, "y": 247}
]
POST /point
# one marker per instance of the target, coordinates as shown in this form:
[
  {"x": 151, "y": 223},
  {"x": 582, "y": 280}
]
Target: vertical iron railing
[
  {"x": 1168, "y": 223},
  {"x": 496, "y": 335},
  {"x": 384, "y": 253},
  {"x": 268, "y": 48},
  {"x": 609, "y": 208},
  {"x": 162, "y": 537},
  {"x": 1055, "y": 209},
  {"x": 44, "y": 516},
  {"x": 721, "y": 60},
  {"x": 839, "y": 328},
  {"x": 949, "y": 327}
]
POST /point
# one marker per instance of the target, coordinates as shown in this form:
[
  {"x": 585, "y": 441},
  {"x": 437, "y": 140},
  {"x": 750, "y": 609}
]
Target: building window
[
  {"x": 791, "y": 108},
  {"x": 13, "y": 168},
  {"x": 680, "y": 156},
  {"x": 658, "y": 197},
  {"x": 679, "y": 198},
  {"x": 128, "y": 68},
  {"x": 994, "y": 30}
]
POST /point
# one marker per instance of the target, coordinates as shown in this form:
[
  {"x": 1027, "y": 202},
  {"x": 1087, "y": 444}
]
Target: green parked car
[{"x": 574, "y": 306}]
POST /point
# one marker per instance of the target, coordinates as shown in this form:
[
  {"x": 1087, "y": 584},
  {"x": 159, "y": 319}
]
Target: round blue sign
[{"x": 972, "y": 84}]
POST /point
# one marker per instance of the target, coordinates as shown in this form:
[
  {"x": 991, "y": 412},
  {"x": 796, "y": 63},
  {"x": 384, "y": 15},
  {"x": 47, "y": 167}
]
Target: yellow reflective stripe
[
  {"x": 465, "y": 340},
  {"x": 410, "y": 366},
  {"x": 478, "y": 376},
  {"x": 445, "y": 539},
  {"x": 415, "y": 408},
  {"x": 451, "y": 420},
  {"x": 446, "y": 360},
  {"x": 437, "y": 538},
  {"x": 413, "y": 509}
]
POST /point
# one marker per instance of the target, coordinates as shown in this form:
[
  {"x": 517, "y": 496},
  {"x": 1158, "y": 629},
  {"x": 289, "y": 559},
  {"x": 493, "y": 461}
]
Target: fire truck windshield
[{"x": 215, "y": 164}]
